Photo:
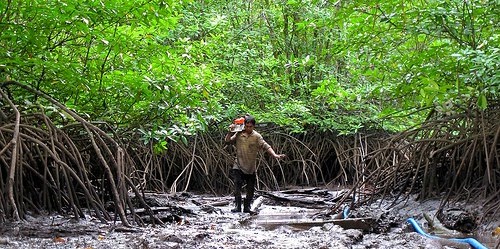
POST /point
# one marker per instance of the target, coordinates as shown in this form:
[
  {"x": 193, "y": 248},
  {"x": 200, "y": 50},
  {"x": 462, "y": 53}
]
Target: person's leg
[
  {"x": 238, "y": 182},
  {"x": 250, "y": 189}
]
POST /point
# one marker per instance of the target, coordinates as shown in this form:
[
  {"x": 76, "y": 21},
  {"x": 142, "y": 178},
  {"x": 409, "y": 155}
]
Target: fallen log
[
  {"x": 217, "y": 203},
  {"x": 309, "y": 191},
  {"x": 365, "y": 224},
  {"x": 309, "y": 203},
  {"x": 173, "y": 209}
]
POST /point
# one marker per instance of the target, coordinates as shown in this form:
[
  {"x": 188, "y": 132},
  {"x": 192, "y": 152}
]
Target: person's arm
[
  {"x": 272, "y": 153},
  {"x": 265, "y": 146},
  {"x": 230, "y": 136}
]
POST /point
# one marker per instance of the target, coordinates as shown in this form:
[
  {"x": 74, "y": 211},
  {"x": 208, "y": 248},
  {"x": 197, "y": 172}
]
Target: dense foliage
[
  {"x": 174, "y": 68},
  {"x": 167, "y": 77}
]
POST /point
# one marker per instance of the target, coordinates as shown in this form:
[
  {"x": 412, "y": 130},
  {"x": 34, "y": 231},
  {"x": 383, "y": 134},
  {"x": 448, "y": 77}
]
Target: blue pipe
[
  {"x": 345, "y": 214},
  {"x": 472, "y": 242}
]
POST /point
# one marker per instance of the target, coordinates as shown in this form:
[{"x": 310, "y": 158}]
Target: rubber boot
[
  {"x": 246, "y": 206},
  {"x": 237, "y": 205}
]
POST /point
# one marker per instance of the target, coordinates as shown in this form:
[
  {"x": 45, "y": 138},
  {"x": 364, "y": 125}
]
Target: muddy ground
[{"x": 283, "y": 220}]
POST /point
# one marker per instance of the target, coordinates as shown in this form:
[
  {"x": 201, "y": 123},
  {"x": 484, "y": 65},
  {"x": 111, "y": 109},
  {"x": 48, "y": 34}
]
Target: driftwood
[
  {"x": 213, "y": 204},
  {"x": 365, "y": 224},
  {"x": 219, "y": 203},
  {"x": 162, "y": 209},
  {"x": 308, "y": 191},
  {"x": 304, "y": 202}
]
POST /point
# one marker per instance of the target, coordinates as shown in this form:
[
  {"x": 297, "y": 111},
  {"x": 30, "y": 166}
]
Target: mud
[{"x": 206, "y": 222}]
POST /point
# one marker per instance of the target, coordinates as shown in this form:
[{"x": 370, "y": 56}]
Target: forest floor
[{"x": 283, "y": 220}]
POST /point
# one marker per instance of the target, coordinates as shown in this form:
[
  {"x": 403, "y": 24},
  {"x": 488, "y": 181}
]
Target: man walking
[{"x": 248, "y": 144}]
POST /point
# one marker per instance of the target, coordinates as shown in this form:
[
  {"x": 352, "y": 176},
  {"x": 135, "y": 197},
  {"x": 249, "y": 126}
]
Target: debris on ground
[{"x": 282, "y": 219}]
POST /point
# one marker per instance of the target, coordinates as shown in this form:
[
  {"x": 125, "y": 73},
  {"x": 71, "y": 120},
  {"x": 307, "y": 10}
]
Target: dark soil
[{"x": 199, "y": 221}]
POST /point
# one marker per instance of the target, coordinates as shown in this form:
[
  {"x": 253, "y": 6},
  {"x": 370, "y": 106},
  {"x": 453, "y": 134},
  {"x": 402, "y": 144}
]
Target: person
[{"x": 248, "y": 144}]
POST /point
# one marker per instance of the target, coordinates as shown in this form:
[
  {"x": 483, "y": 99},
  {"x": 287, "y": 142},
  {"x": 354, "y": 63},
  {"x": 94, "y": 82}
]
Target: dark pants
[{"x": 239, "y": 177}]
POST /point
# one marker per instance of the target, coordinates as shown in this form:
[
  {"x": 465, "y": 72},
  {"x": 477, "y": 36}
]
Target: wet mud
[{"x": 293, "y": 221}]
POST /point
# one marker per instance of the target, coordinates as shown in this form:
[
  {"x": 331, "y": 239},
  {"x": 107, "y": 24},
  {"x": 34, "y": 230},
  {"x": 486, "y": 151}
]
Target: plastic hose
[
  {"x": 472, "y": 242},
  {"x": 345, "y": 214}
]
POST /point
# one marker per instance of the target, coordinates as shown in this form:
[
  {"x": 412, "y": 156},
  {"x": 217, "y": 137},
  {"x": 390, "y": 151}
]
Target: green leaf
[
  {"x": 482, "y": 102},
  {"x": 184, "y": 140}
]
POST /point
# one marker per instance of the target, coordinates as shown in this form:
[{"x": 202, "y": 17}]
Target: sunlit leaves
[
  {"x": 173, "y": 68},
  {"x": 482, "y": 102}
]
